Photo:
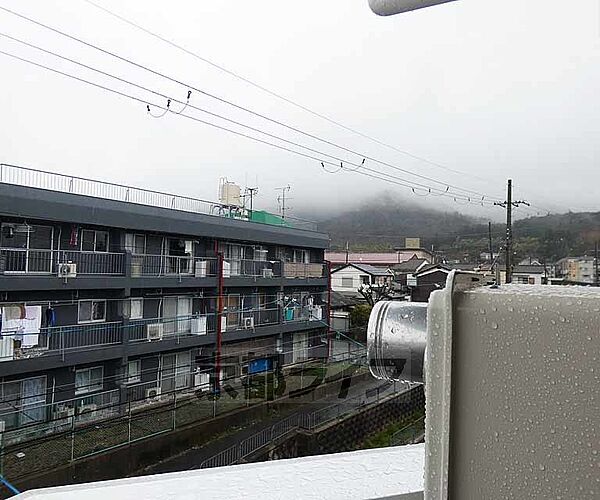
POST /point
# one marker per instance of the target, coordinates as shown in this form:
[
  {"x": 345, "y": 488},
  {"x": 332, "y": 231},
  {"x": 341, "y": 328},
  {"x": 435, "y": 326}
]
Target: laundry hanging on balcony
[{"x": 26, "y": 328}]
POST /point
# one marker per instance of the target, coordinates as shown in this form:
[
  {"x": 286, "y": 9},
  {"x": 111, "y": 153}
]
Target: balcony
[
  {"x": 172, "y": 265},
  {"x": 251, "y": 268},
  {"x": 304, "y": 270},
  {"x": 61, "y": 340},
  {"x": 23, "y": 261}
]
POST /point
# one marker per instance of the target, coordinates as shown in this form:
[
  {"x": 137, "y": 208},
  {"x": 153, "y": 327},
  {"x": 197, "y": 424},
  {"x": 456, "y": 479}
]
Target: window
[
  {"x": 135, "y": 243},
  {"x": 134, "y": 371},
  {"x": 92, "y": 311},
  {"x": 301, "y": 256},
  {"x": 94, "y": 241},
  {"x": 89, "y": 380},
  {"x": 347, "y": 281},
  {"x": 26, "y": 248},
  {"x": 365, "y": 280},
  {"x": 176, "y": 312},
  {"x": 176, "y": 371},
  {"x": 133, "y": 308},
  {"x": 23, "y": 402}
]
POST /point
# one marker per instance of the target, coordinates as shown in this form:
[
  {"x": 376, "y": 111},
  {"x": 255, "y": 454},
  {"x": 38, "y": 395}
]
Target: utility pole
[
  {"x": 347, "y": 251},
  {"x": 491, "y": 248},
  {"x": 509, "y": 204},
  {"x": 281, "y": 199},
  {"x": 596, "y": 264}
]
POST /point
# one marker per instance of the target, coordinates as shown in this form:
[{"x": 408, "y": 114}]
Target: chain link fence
[{"x": 73, "y": 440}]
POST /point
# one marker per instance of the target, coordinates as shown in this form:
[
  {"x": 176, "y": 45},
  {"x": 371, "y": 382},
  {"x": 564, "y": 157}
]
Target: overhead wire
[
  {"x": 375, "y": 174},
  {"x": 157, "y": 73},
  {"x": 280, "y": 96}
]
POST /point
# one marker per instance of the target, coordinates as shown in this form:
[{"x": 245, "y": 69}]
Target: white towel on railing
[{"x": 26, "y": 329}]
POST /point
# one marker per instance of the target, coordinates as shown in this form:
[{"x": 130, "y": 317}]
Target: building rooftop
[
  {"x": 376, "y": 259},
  {"x": 366, "y": 268},
  {"x": 409, "y": 266},
  {"x": 529, "y": 269},
  {"x": 52, "y": 181}
]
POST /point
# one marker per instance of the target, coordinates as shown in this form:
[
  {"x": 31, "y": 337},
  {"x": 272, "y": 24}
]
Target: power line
[
  {"x": 279, "y": 96},
  {"x": 157, "y": 73},
  {"x": 216, "y": 115},
  {"x": 390, "y": 178}
]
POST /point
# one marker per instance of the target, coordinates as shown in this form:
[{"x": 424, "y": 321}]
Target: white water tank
[{"x": 229, "y": 194}]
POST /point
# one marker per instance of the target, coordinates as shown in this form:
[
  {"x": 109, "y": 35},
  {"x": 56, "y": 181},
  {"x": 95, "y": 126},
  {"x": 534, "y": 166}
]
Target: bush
[{"x": 359, "y": 316}]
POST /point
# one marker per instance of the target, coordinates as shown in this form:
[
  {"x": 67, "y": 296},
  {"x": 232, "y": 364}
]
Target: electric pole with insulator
[{"x": 509, "y": 204}]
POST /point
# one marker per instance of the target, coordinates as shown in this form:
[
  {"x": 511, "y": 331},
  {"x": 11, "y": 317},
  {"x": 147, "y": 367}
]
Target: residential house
[
  {"x": 427, "y": 279},
  {"x": 348, "y": 278}
]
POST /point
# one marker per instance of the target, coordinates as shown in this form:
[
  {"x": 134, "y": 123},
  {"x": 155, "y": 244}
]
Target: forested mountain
[{"x": 382, "y": 225}]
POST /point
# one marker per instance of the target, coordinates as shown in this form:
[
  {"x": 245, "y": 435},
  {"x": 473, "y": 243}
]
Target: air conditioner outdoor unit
[
  {"x": 67, "y": 270},
  {"x": 267, "y": 273},
  {"x": 199, "y": 325},
  {"x": 201, "y": 269},
  {"x": 248, "y": 323},
  {"x": 153, "y": 393},
  {"x": 89, "y": 408},
  {"x": 316, "y": 313},
  {"x": 154, "y": 331}
]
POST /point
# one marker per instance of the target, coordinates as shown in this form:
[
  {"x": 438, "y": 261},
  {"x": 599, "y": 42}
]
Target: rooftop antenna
[
  {"x": 250, "y": 193},
  {"x": 282, "y": 198}
]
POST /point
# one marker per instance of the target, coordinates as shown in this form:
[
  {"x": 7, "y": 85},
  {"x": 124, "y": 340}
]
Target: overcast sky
[{"x": 492, "y": 88}]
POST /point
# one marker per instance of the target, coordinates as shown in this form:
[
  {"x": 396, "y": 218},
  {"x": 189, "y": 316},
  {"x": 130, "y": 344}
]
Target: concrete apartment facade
[{"x": 106, "y": 302}]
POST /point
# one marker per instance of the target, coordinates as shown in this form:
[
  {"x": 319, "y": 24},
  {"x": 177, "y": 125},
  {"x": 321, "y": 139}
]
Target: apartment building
[
  {"x": 577, "y": 269},
  {"x": 111, "y": 294}
]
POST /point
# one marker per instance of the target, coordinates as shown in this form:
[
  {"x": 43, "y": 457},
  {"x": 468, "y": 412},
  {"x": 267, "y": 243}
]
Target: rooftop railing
[{"x": 51, "y": 181}]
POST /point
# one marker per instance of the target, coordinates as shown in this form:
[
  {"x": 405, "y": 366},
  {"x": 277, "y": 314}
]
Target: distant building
[
  {"x": 341, "y": 306},
  {"x": 379, "y": 259},
  {"x": 429, "y": 278},
  {"x": 404, "y": 272},
  {"x": 347, "y": 279},
  {"x": 534, "y": 274},
  {"x": 577, "y": 269}
]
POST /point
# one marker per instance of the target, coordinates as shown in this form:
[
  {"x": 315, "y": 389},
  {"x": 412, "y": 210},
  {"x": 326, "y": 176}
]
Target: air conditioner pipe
[{"x": 396, "y": 339}]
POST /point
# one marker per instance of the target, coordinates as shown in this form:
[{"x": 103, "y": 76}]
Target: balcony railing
[
  {"x": 173, "y": 265},
  {"x": 59, "y": 338},
  {"x": 252, "y": 268},
  {"x": 33, "y": 418},
  {"x": 51, "y": 181},
  {"x": 23, "y": 261},
  {"x": 153, "y": 329},
  {"x": 63, "y": 339},
  {"x": 302, "y": 270}
]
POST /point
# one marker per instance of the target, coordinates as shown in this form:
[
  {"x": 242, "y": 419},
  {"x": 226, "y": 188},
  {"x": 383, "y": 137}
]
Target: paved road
[{"x": 359, "y": 394}]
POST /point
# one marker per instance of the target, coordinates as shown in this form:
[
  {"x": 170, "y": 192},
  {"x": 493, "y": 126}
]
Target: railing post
[
  {"x": 174, "y": 410},
  {"x": 61, "y": 343},
  {"x": 127, "y": 263},
  {"x": 129, "y": 422},
  {"x": 2, "y": 444},
  {"x": 72, "y": 438}
]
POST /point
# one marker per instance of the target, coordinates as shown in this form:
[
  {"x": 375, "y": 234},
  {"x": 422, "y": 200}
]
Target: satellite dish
[{"x": 391, "y": 7}]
